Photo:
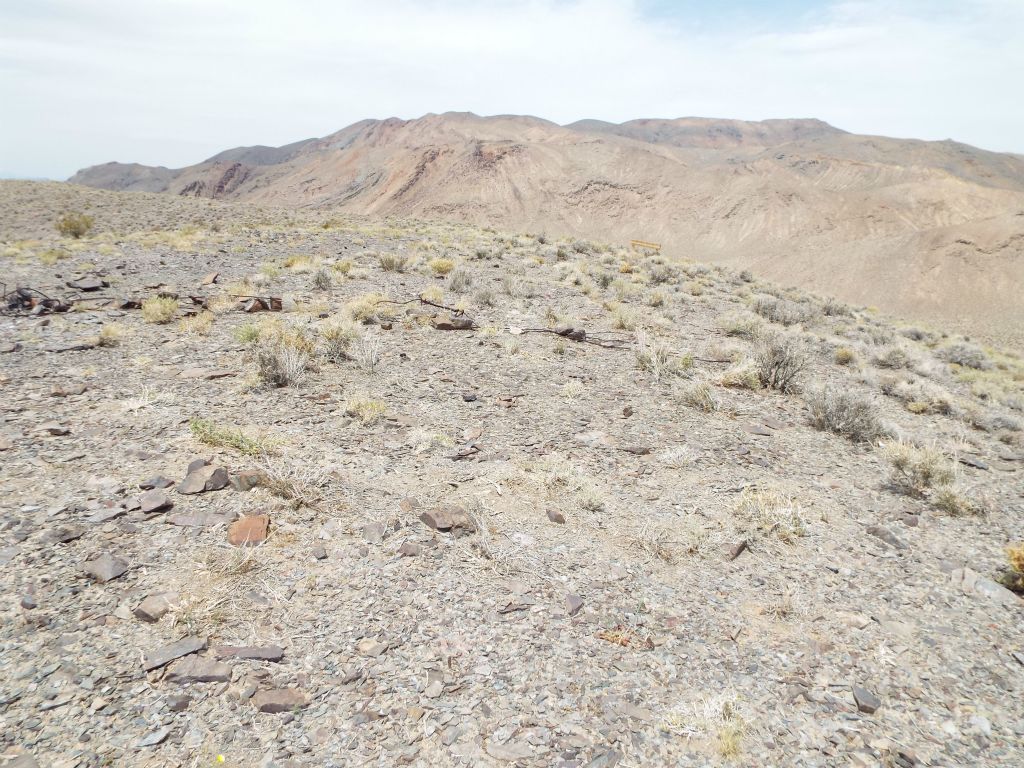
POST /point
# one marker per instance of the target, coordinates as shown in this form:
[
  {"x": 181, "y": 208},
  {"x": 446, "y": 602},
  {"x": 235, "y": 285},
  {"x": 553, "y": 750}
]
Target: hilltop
[
  {"x": 464, "y": 496},
  {"x": 929, "y": 231}
]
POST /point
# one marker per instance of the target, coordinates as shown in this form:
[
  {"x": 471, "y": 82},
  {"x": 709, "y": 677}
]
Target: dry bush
[
  {"x": 322, "y": 280},
  {"x": 892, "y": 358},
  {"x": 624, "y": 319},
  {"x": 74, "y": 225},
  {"x": 966, "y": 355},
  {"x": 393, "y": 262},
  {"x": 699, "y": 395},
  {"x": 661, "y": 273},
  {"x": 916, "y": 470},
  {"x": 780, "y": 362},
  {"x": 844, "y": 413},
  {"x": 845, "y": 356},
  {"x": 281, "y": 356},
  {"x": 367, "y": 309},
  {"x": 783, "y": 311},
  {"x": 441, "y": 266},
  {"x": 159, "y": 309},
  {"x": 111, "y": 334},
  {"x": 210, "y": 433},
  {"x": 336, "y": 339},
  {"x": 834, "y": 308},
  {"x": 955, "y": 503},
  {"x": 366, "y": 410},
  {"x": 743, "y": 375},
  {"x": 656, "y": 358},
  {"x": 460, "y": 280},
  {"x": 744, "y": 325},
  {"x": 197, "y": 325},
  {"x": 773, "y": 512},
  {"x": 366, "y": 353}
]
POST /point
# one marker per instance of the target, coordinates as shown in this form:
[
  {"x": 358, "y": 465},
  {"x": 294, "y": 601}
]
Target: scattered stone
[
  {"x": 65, "y": 534},
  {"x": 248, "y": 479},
  {"x": 210, "y": 279},
  {"x": 155, "y": 482},
  {"x": 469, "y": 397},
  {"x": 509, "y": 751},
  {"x": 87, "y": 284},
  {"x": 409, "y": 549},
  {"x": 451, "y": 519},
  {"x": 319, "y": 552},
  {"x": 970, "y": 582},
  {"x": 608, "y": 759},
  {"x": 573, "y": 604},
  {"x": 28, "y": 602},
  {"x": 456, "y": 323},
  {"x": 555, "y": 516},
  {"x": 156, "y": 737},
  {"x": 154, "y": 501},
  {"x": 757, "y": 429},
  {"x": 370, "y": 647},
  {"x": 152, "y": 608},
  {"x": 434, "y": 690},
  {"x": 197, "y": 669},
  {"x": 884, "y": 534},
  {"x": 280, "y": 700},
  {"x": 21, "y": 761},
  {"x": 178, "y": 702},
  {"x": 248, "y": 531},
  {"x": 6, "y": 443},
  {"x": 196, "y": 464},
  {"x": 53, "y": 428},
  {"x": 867, "y": 702},
  {"x": 973, "y": 461},
  {"x": 373, "y": 533},
  {"x": 735, "y": 550},
  {"x": 204, "y": 478},
  {"x": 106, "y": 567},
  {"x": 258, "y": 652},
  {"x": 68, "y": 390},
  {"x": 197, "y": 519},
  {"x": 168, "y": 653},
  {"x": 408, "y": 504}
]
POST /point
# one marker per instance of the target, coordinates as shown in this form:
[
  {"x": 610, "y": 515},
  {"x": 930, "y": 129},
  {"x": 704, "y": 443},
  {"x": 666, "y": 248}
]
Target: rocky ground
[{"x": 474, "y": 537}]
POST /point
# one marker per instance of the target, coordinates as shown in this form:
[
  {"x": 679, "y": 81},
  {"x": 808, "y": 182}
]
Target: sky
[{"x": 172, "y": 82}]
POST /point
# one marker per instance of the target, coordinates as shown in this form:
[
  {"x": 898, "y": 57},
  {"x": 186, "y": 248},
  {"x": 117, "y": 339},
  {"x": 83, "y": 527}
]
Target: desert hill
[{"x": 930, "y": 231}]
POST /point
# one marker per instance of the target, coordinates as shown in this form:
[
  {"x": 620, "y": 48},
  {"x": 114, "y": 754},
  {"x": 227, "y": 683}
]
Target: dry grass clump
[
  {"x": 209, "y": 433},
  {"x": 366, "y": 410},
  {"x": 845, "y": 356},
  {"x": 624, "y": 319},
  {"x": 196, "y": 325},
  {"x": 773, "y": 513},
  {"x": 743, "y": 375},
  {"x": 159, "y": 309},
  {"x": 920, "y": 396},
  {"x": 916, "y": 470},
  {"x": 366, "y": 353},
  {"x": 322, "y": 280},
  {"x": 966, "y": 355},
  {"x": 780, "y": 361},
  {"x": 441, "y": 266},
  {"x": 111, "y": 334},
  {"x": 783, "y": 311},
  {"x": 281, "y": 355},
  {"x": 393, "y": 262},
  {"x": 460, "y": 280},
  {"x": 893, "y": 358},
  {"x": 336, "y": 338},
  {"x": 658, "y": 359},
  {"x": 699, "y": 395},
  {"x": 368, "y": 309},
  {"x": 844, "y": 413},
  {"x": 954, "y": 503},
  {"x": 74, "y": 225},
  {"x": 744, "y": 325}
]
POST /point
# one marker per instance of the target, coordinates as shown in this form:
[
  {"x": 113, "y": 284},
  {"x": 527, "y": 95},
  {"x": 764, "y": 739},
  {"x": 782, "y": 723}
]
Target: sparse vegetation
[
  {"x": 780, "y": 362},
  {"x": 74, "y": 225},
  {"x": 159, "y": 309},
  {"x": 844, "y": 413},
  {"x": 199, "y": 324},
  {"x": 111, "y": 334},
  {"x": 210, "y": 433},
  {"x": 393, "y": 262},
  {"x": 916, "y": 470},
  {"x": 364, "y": 409},
  {"x": 281, "y": 356},
  {"x": 967, "y": 355},
  {"x": 773, "y": 513},
  {"x": 441, "y": 266},
  {"x": 698, "y": 395}
]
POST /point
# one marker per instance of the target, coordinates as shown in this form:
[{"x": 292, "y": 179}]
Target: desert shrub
[
  {"x": 845, "y": 356},
  {"x": 743, "y": 375},
  {"x": 920, "y": 396},
  {"x": 782, "y": 311},
  {"x": 834, "y": 308},
  {"x": 772, "y": 512},
  {"x": 74, "y": 225},
  {"x": 281, "y": 356},
  {"x": 366, "y": 410},
  {"x": 366, "y": 353},
  {"x": 111, "y": 334},
  {"x": 915, "y": 470},
  {"x": 966, "y": 355},
  {"x": 844, "y": 413},
  {"x": 780, "y": 361},
  {"x": 604, "y": 279},
  {"x": 159, "y": 309},
  {"x": 949, "y": 500},
  {"x": 485, "y": 297},
  {"x": 624, "y": 319},
  {"x": 893, "y": 358},
  {"x": 197, "y": 325},
  {"x": 248, "y": 333},
  {"x": 460, "y": 280},
  {"x": 366, "y": 309},
  {"x": 336, "y": 339},
  {"x": 694, "y": 288},
  {"x": 393, "y": 262},
  {"x": 698, "y": 395},
  {"x": 220, "y": 436},
  {"x": 742, "y": 325},
  {"x": 662, "y": 273},
  {"x": 441, "y": 266},
  {"x": 322, "y": 280},
  {"x": 746, "y": 276},
  {"x": 656, "y": 358}
]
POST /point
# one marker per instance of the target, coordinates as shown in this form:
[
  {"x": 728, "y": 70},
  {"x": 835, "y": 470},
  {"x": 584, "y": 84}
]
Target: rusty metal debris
[{"x": 32, "y": 301}]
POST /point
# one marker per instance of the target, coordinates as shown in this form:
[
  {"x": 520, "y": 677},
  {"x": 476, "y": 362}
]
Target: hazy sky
[{"x": 171, "y": 82}]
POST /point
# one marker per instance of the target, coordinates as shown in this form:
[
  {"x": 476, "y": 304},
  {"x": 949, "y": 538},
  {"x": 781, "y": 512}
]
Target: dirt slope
[{"x": 931, "y": 231}]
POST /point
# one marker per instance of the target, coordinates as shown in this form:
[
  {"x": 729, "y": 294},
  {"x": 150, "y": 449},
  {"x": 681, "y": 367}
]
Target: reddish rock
[
  {"x": 451, "y": 519},
  {"x": 153, "y": 608},
  {"x": 106, "y": 568},
  {"x": 555, "y": 516},
  {"x": 280, "y": 700},
  {"x": 168, "y": 653},
  {"x": 248, "y": 531}
]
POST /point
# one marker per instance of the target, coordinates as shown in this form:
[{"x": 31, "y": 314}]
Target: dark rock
[
  {"x": 457, "y": 323},
  {"x": 53, "y": 428},
  {"x": 735, "y": 550},
  {"x": 154, "y": 501},
  {"x": 178, "y": 702},
  {"x": 258, "y": 652},
  {"x": 196, "y": 464},
  {"x": 28, "y": 602},
  {"x": 249, "y": 531},
  {"x": 884, "y": 534},
  {"x": 409, "y": 549},
  {"x": 106, "y": 568},
  {"x": 555, "y": 516},
  {"x": 972, "y": 461},
  {"x": 453, "y": 519},
  {"x": 867, "y": 702},
  {"x": 205, "y": 478},
  {"x": 469, "y": 397},
  {"x": 87, "y": 284},
  {"x": 319, "y": 552},
  {"x": 573, "y": 604},
  {"x": 168, "y": 653},
  {"x": 155, "y": 482},
  {"x": 280, "y": 700},
  {"x": 196, "y": 669},
  {"x": 65, "y": 534}
]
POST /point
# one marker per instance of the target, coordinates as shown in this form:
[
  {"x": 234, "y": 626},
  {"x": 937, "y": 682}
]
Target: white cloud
[{"x": 173, "y": 82}]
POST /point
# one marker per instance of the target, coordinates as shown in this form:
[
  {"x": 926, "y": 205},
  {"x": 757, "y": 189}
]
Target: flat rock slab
[
  {"x": 152, "y": 608},
  {"x": 970, "y": 582},
  {"x": 452, "y": 519},
  {"x": 249, "y": 531},
  {"x": 256, "y": 652},
  {"x": 882, "y": 533},
  {"x": 106, "y": 567},
  {"x": 196, "y": 669},
  {"x": 168, "y": 653},
  {"x": 866, "y": 701},
  {"x": 204, "y": 478},
  {"x": 154, "y": 501},
  {"x": 197, "y": 519},
  {"x": 156, "y": 482},
  {"x": 280, "y": 700}
]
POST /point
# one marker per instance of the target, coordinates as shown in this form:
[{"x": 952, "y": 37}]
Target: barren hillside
[
  {"x": 931, "y": 231},
  {"x": 293, "y": 488}
]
